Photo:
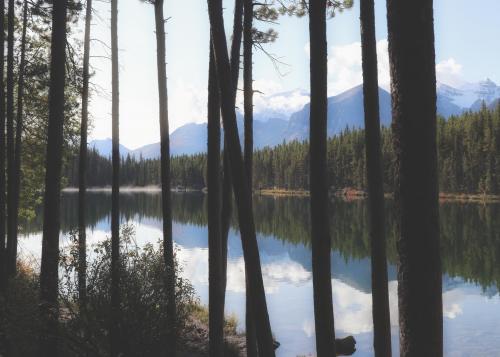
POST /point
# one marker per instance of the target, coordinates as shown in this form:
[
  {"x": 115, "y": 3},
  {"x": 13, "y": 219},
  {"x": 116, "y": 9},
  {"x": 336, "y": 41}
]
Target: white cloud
[
  {"x": 345, "y": 71},
  {"x": 187, "y": 104},
  {"x": 449, "y": 71},
  {"x": 344, "y": 66},
  {"x": 271, "y": 99}
]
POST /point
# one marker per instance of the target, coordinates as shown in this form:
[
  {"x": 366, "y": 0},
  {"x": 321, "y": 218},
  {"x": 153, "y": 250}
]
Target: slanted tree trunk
[
  {"x": 240, "y": 183},
  {"x": 50, "y": 242},
  {"x": 380, "y": 294},
  {"x": 168, "y": 249},
  {"x": 251, "y": 342},
  {"x": 216, "y": 288},
  {"x": 11, "y": 244},
  {"x": 19, "y": 133},
  {"x": 412, "y": 62},
  {"x": 320, "y": 242},
  {"x": 82, "y": 169},
  {"x": 115, "y": 333},
  {"x": 3, "y": 255}
]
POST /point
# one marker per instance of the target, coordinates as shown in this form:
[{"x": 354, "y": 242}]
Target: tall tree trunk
[
  {"x": 216, "y": 288},
  {"x": 50, "y": 242},
  {"x": 168, "y": 249},
  {"x": 240, "y": 183},
  {"x": 3, "y": 255},
  {"x": 413, "y": 83},
  {"x": 11, "y": 244},
  {"x": 19, "y": 132},
  {"x": 251, "y": 341},
  {"x": 321, "y": 245},
  {"x": 82, "y": 169},
  {"x": 380, "y": 294},
  {"x": 248, "y": 87},
  {"x": 227, "y": 193},
  {"x": 115, "y": 332}
]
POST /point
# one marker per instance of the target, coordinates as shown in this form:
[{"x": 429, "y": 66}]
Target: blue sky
[{"x": 467, "y": 49}]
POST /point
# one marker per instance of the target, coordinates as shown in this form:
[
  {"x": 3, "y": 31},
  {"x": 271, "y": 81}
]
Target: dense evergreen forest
[{"x": 468, "y": 146}]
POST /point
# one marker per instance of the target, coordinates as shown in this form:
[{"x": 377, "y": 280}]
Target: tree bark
[
  {"x": 82, "y": 169},
  {"x": 216, "y": 288},
  {"x": 51, "y": 221},
  {"x": 413, "y": 83},
  {"x": 240, "y": 183},
  {"x": 251, "y": 342},
  {"x": 115, "y": 333},
  {"x": 11, "y": 244},
  {"x": 3, "y": 254},
  {"x": 168, "y": 249},
  {"x": 380, "y": 294},
  {"x": 19, "y": 133},
  {"x": 227, "y": 193},
  {"x": 320, "y": 242}
]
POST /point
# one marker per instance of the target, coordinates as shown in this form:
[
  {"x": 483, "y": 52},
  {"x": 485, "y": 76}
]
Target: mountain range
[{"x": 272, "y": 127}]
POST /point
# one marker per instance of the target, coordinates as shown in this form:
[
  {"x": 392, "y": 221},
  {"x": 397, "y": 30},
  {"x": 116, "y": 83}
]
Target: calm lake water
[{"x": 470, "y": 243}]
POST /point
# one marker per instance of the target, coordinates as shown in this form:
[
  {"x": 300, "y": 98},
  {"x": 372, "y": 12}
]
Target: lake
[{"x": 470, "y": 241}]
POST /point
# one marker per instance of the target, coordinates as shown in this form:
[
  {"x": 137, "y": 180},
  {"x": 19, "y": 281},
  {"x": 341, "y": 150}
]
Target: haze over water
[{"x": 470, "y": 241}]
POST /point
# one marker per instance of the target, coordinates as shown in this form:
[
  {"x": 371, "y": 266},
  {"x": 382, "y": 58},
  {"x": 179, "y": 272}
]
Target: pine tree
[
  {"x": 115, "y": 333},
  {"x": 3, "y": 253},
  {"x": 412, "y": 61},
  {"x": 215, "y": 272},
  {"x": 51, "y": 221},
  {"x": 168, "y": 245},
  {"x": 82, "y": 169},
  {"x": 240, "y": 183},
  {"x": 320, "y": 236},
  {"x": 380, "y": 293}
]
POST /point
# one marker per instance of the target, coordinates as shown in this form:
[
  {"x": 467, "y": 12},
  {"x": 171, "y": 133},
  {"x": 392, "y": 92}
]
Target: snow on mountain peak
[{"x": 465, "y": 95}]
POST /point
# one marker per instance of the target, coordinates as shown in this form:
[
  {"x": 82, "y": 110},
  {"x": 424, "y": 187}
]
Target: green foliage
[
  {"x": 85, "y": 332},
  {"x": 37, "y": 78}
]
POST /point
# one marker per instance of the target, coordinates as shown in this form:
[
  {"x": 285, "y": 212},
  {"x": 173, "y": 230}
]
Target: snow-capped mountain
[
  {"x": 278, "y": 120},
  {"x": 469, "y": 96}
]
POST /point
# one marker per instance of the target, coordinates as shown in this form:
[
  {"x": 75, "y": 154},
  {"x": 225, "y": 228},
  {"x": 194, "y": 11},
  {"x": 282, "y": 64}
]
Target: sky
[{"x": 467, "y": 50}]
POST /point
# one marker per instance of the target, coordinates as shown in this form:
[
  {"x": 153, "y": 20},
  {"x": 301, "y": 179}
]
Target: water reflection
[{"x": 470, "y": 246}]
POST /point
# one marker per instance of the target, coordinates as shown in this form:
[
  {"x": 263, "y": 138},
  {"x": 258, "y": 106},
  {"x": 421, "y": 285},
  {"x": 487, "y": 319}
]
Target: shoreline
[
  {"x": 346, "y": 194},
  {"x": 352, "y": 194}
]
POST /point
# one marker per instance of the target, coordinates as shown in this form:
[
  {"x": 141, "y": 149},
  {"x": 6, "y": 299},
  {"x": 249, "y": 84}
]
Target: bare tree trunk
[
  {"x": 115, "y": 331},
  {"x": 51, "y": 223},
  {"x": 3, "y": 254},
  {"x": 11, "y": 244},
  {"x": 412, "y": 61},
  {"x": 321, "y": 245},
  {"x": 19, "y": 131},
  {"x": 251, "y": 341},
  {"x": 380, "y": 294},
  {"x": 227, "y": 193},
  {"x": 248, "y": 87},
  {"x": 240, "y": 183},
  {"x": 82, "y": 170},
  {"x": 216, "y": 288},
  {"x": 168, "y": 249}
]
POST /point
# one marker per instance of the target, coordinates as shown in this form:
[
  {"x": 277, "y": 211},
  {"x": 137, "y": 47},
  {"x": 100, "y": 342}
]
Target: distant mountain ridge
[{"x": 345, "y": 110}]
